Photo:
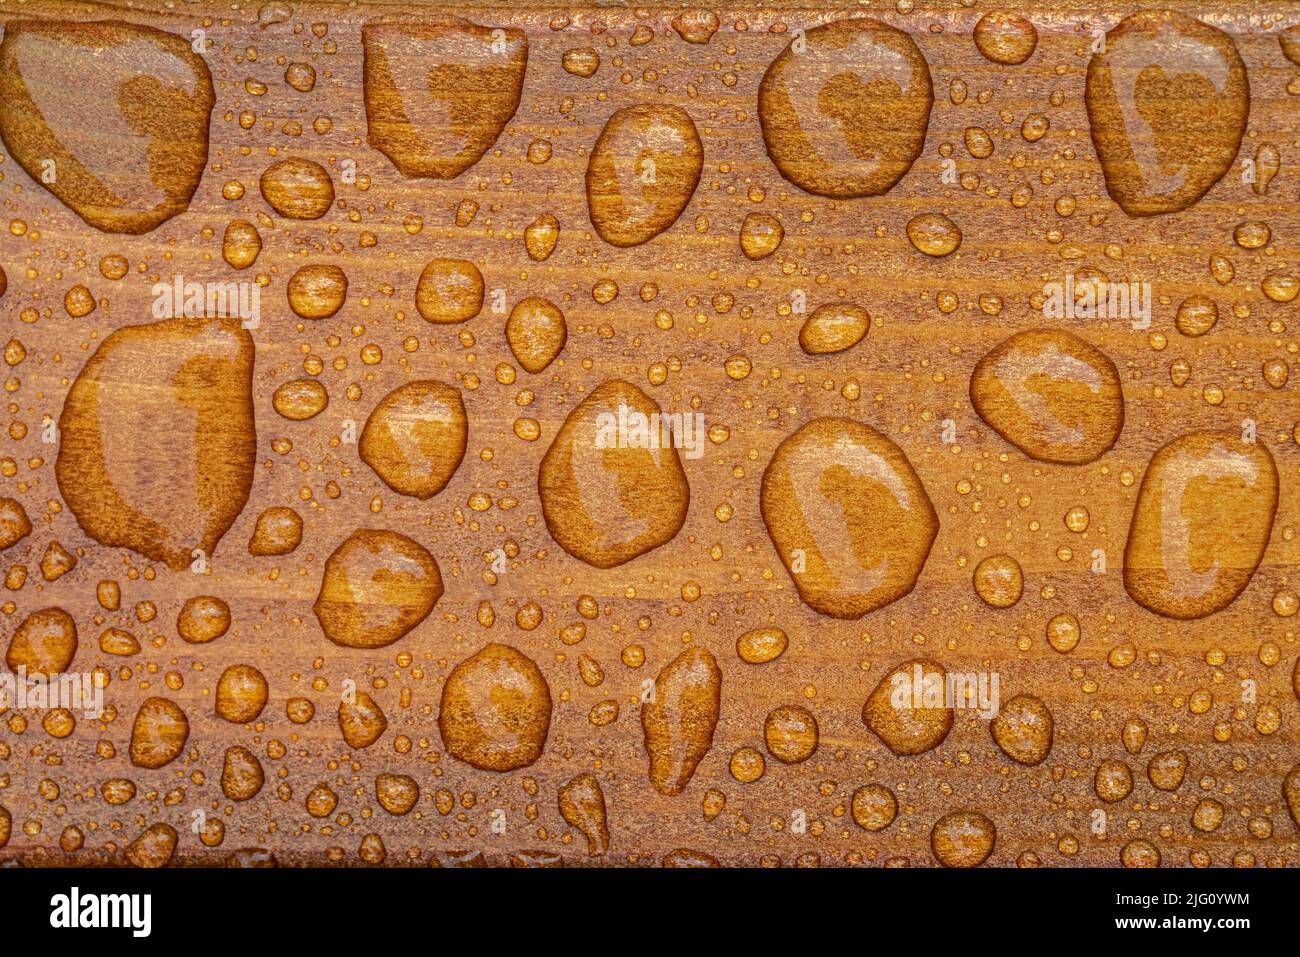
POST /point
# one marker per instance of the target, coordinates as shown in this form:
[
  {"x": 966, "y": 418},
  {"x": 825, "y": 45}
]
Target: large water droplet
[
  {"x": 415, "y": 438},
  {"x": 14, "y": 523},
  {"x": 361, "y": 720},
  {"x": 154, "y": 847},
  {"x": 449, "y": 291},
  {"x": 120, "y": 110},
  {"x": 242, "y": 776},
  {"x": 604, "y": 501},
  {"x": 582, "y": 805},
  {"x": 1051, "y": 395},
  {"x": 1167, "y": 101},
  {"x": 1202, "y": 521},
  {"x": 834, "y": 327},
  {"x": 848, "y": 516},
  {"x": 1023, "y": 729},
  {"x": 317, "y": 290},
  {"x": 1005, "y": 38},
  {"x": 536, "y": 333},
  {"x": 496, "y": 710},
  {"x": 439, "y": 93},
  {"x": 45, "y": 643},
  {"x": 680, "y": 718},
  {"x": 158, "y": 438},
  {"x": 298, "y": 188},
  {"x": 159, "y": 733},
  {"x": 908, "y": 710},
  {"x": 963, "y": 839},
  {"x": 377, "y": 586},
  {"x": 844, "y": 108},
  {"x": 642, "y": 173}
]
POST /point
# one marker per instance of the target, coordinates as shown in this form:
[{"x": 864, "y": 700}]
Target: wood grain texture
[{"x": 698, "y": 327}]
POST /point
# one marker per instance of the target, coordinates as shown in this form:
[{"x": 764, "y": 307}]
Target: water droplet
[
  {"x": 1051, "y": 395},
  {"x": 300, "y": 76},
  {"x": 761, "y": 645},
  {"x": 396, "y": 793},
  {"x": 1166, "y": 769},
  {"x": 300, "y": 399},
  {"x": 696, "y": 26},
  {"x": 1268, "y": 161},
  {"x": 298, "y": 188},
  {"x": 439, "y": 93},
  {"x": 496, "y": 710},
  {"x": 536, "y": 333},
  {"x": 154, "y": 847},
  {"x": 642, "y": 173},
  {"x": 1005, "y": 38},
  {"x": 241, "y": 244},
  {"x": 1134, "y": 735},
  {"x": 540, "y": 237},
  {"x": 846, "y": 114},
  {"x": 874, "y": 807},
  {"x": 449, "y": 291},
  {"x": 1196, "y": 315},
  {"x": 203, "y": 618},
  {"x": 317, "y": 291},
  {"x": 605, "y": 502},
  {"x": 1063, "y": 632},
  {"x": 581, "y": 61},
  {"x": 1201, "y": 523},
  {"x": 760, "y": 235},
  {"x": 1280, "y": 287},
  {"x": 680, "y": 719},
  {"x": 1113, "y": 781},
  {"x": 934, "y": 234},
  {"x": 377, "y": 586},
  {"x": 241, "y": 774},
  {"x": 14, "y": 523},
  {"x": 1023, "y": 729},
  {"x": 963, "y": 839},
  {"x": 45, "y": 643},
  {"x": 1139, "y": 854},
  {"x": 241, "y": 694},
  {"x": 685, "y": 857},
  {"x": 908, "y": 714},
  {"x": 361, "y": 720},
  {"x": 415, "y": 438},
  {"x": 167, "y": 469},
  {"x": 122, "y": 110},
  {"x": 1289, "y": 39},
  {"x": 278, "y": 531},
  {"x": 115, "y": 641},
  {"x": 582, "y": 805},
  {"x": 999, "y": 581},
  {"x": 747, "y": 765},
  {"x": 848, "y": 516},
  {"x": 834, "y": 327},
  {"x": 159, "y": 733},
  {"x": 1291, "y": 791},
  {"x": 1167, "y": 101},
  {"x": 790, "y": 733}
]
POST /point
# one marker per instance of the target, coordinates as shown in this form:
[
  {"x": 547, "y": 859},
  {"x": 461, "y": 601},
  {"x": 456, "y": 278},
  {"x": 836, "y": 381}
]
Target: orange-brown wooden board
[{"x": 622, "y": 562}]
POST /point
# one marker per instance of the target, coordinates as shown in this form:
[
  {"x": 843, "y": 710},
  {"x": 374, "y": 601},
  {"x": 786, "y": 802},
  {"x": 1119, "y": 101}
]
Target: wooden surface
[{"x": 719, "y": 576}]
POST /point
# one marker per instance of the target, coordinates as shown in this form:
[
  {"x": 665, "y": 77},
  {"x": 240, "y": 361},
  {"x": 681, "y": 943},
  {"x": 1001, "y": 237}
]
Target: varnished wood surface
[{"x": 717, "y": 578}]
